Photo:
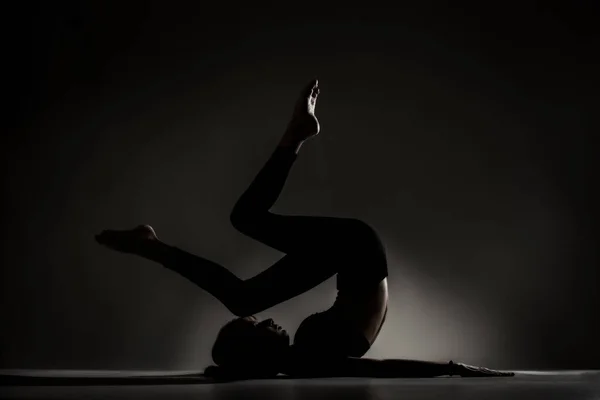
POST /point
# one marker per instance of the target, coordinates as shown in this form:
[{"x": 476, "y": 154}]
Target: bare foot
[
  {"x": 304, "y": 124},
  {"x": 133, "y": 241},
  {"x": 471, "y": 371}
]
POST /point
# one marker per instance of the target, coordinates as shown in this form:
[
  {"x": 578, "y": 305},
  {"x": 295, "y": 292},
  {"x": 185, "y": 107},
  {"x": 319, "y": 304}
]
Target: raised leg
[
  {"x": 292, "y": 275},
  {"x": 210, "y": 276},
  {"x": 316, "y": 247},
  {"x": 251, "y": 214}
]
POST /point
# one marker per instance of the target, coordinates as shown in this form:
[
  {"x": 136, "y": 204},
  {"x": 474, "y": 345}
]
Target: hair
[
  {"x": 230, "y": 347},
  {"x": 236, "y": 357}
]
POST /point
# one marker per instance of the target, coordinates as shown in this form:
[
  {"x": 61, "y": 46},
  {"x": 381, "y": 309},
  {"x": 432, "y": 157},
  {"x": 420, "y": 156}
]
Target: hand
[{"x": 471, "y": 371}]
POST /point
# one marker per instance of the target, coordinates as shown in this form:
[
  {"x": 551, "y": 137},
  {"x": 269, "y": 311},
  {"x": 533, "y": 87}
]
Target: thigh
[
  {"x": 362, "y": 260},
  {"x": 289, "y": 277},
  {"x": 294, "y": 234}
]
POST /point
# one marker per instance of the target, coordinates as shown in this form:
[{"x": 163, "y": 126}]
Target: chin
[{"x": 283, "y": 338}]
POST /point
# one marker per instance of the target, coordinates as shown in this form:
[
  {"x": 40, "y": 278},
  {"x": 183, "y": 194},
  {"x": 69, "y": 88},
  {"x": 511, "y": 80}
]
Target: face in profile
[
  {"x": 251, "y": 343},
  {"x": 268, "y": 329}
]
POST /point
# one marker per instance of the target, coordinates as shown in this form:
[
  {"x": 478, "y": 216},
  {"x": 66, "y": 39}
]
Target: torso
[
  {"x": 354, "y": 321},
  {"x": 366, "y": 311}
]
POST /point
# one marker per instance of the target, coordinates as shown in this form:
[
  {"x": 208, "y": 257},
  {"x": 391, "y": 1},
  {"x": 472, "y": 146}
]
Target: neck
[
  {"x": 289, "y": 361},
  {"x": 295, "y": 362}
]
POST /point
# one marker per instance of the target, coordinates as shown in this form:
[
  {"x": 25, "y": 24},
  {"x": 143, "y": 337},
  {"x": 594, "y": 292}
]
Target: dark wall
[{"x": 462, "y": 135}]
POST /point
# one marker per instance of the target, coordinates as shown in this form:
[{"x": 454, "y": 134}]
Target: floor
[{"x": 530, "y": 385}]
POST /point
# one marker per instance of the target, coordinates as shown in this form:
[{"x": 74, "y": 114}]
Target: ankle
[
  {"x": 292, "y": 145},
  {"x": 155, "y": 250}
]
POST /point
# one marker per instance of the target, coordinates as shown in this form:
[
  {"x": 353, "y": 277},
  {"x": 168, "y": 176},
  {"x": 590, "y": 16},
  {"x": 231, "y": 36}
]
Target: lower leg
[
  {"x": 266, "y": 187},
  {"x": 287, "y": 278},
  {"x": 264, "y": 190},
  {"x": 251, "y": 214},
  {"x": 290, "y": 234},
  {"x": 210, "y": 276}
]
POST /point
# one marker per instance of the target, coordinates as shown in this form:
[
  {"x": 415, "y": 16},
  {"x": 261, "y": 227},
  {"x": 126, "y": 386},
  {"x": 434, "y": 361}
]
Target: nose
[{"x": 270, "y": 323}]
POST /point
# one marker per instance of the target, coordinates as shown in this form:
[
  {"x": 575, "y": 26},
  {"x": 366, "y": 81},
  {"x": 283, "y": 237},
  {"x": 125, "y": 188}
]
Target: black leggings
[{"x": 316, "y": 248}]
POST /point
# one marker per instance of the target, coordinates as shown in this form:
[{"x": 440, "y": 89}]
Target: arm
[
  {"x": 390, "y": 368},
  {"x": 372, "y": 368}
]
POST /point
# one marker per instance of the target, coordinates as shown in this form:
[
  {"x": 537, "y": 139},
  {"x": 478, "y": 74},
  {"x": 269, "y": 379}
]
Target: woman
[{"x": 330, "y": 343}]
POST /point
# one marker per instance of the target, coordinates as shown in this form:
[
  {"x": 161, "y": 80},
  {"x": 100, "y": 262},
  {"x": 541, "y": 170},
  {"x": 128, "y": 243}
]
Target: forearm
[
  {"x": 424, "y": 369},
  {"x": 398, "y": 368},
  {"x": 371, "y": 368}
]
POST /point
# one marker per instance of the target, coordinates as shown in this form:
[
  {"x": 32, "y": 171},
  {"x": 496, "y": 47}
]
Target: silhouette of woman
[{"x": 329, "y": 343}]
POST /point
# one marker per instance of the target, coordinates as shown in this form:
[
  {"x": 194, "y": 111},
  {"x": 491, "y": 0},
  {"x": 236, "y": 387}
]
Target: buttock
[{"x": 362, "y": 263}]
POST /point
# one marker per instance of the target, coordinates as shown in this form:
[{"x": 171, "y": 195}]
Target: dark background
[{"x": 463, "y": 135}]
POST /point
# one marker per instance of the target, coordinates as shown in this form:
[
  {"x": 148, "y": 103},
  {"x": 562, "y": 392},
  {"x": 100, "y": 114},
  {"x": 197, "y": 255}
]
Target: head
[{"x": 247, "y": 344}]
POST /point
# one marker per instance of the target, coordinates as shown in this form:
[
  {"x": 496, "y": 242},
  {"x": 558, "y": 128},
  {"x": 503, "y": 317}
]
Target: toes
[
  {"x": 116, "y": 237},
  {"x": 310, "y": 88},
  {"x": 101, "y": 237},
  {"x": 104, "y": 236},
  {"x": 315, "y": 92}
]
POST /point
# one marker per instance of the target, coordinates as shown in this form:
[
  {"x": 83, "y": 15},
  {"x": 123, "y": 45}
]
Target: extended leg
[
  {"x": 289, "y": 234},
  {"x": 210, "y": 276},
  {"x": 289, "y": 277},
  {"x": 286, "y": 233}
]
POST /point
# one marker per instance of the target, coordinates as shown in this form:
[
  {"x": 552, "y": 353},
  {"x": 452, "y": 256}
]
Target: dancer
[{"x": 329, "y": 343}]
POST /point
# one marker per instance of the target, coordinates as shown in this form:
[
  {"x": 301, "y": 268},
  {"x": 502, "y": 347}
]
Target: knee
[
  {"x": 236, "y": 218},
  {"x": 359, "y": 231},
  {"x": 363, "y": 239},
  {"x": 240, "y": 219},
  {"x": 241, "y": 301}
]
